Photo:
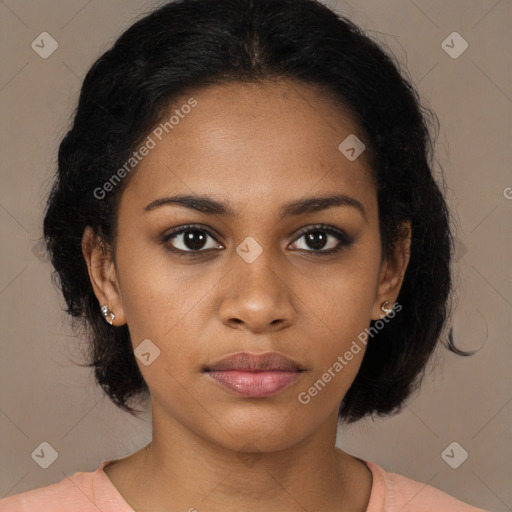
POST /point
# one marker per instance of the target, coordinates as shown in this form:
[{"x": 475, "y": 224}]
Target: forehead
[{"x": 252, "y": 142}]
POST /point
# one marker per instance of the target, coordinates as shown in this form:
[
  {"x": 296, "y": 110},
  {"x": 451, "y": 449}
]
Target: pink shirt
[{"x": 93, "y": 491}]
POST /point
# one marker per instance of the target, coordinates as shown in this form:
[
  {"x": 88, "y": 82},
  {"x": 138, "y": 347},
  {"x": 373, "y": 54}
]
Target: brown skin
[{"x": 257, "y": 146}]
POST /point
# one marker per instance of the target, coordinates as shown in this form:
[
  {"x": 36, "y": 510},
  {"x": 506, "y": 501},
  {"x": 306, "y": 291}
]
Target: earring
[
  {"x": 109, "y": 315},
  {"x": 385, "y": 309}
]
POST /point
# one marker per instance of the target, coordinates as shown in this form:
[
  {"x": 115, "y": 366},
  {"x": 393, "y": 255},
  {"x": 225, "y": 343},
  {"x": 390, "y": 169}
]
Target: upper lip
[{"x": 255, "y": 362}]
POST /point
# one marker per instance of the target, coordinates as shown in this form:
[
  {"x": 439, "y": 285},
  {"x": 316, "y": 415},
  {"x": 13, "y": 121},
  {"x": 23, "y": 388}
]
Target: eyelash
[{"x": 344, "y": 239}]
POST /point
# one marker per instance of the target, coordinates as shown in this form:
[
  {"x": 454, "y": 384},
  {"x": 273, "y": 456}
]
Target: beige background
[{"x": 45, "y": 397}]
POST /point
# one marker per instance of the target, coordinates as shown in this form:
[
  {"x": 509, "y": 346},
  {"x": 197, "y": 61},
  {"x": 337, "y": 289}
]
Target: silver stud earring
[
  {"x": 109, "y": 315},
  {"x": 385, "y": 309}
]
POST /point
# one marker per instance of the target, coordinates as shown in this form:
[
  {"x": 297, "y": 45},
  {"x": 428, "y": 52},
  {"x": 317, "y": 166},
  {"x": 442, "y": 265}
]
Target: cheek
[
  {"x": 152, "y": 290},
  {"x": 343, "y": 298},
  {"x": 337, "y": 345},
  {"x": 342, "y": 313},
  {"x": 161, "y": 303}
]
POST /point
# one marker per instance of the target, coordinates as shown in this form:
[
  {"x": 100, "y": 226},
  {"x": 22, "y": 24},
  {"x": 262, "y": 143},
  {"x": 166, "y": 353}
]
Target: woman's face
[{"x": 251, "y": 280}]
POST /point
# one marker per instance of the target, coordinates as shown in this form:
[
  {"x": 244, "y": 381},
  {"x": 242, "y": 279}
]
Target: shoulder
[
  {"x": 52, "y": 498},
  {"x": 392, "y": 493},
  {"x": 77, "y": 492}
]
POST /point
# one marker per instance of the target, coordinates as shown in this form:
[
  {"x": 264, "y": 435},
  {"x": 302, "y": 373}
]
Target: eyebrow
[{"x": 208, "y": 205}]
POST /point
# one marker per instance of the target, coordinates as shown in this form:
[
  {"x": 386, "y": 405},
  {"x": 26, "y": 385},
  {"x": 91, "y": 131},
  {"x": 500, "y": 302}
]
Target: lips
[
  {"x": 255, "y": 375},
  {"x": 246, "y": 361}
]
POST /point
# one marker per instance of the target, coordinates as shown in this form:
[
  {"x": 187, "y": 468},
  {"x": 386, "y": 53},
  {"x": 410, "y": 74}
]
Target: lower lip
[{"x": 255, "y": 384}]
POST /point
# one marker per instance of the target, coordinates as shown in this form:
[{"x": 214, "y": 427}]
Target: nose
[{"x": 257, "y": 297}]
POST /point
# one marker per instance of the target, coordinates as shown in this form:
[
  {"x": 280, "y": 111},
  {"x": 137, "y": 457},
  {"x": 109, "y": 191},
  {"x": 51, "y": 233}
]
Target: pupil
[
  {"x": 194, "y": 239},
  {"x": 316, "y": 240}
]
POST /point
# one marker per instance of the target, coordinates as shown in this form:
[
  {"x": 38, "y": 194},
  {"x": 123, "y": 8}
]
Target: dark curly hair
[{"x": 191, "y": 44}]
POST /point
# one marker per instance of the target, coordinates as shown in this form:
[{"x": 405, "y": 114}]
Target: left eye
[{"x": 317, "y": 239}]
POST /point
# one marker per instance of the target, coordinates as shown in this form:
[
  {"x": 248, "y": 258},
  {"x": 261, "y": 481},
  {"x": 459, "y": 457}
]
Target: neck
[{"x": 181, "y": 470}]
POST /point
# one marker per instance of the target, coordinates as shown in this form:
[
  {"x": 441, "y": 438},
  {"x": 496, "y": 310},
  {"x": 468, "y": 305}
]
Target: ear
[
  {"x": 103, "y": 275},
  {"x": 392, "y": 273}
]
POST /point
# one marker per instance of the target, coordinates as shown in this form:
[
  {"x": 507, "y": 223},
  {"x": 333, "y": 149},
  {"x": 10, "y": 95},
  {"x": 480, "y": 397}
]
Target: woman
[{"x": 246, "y": 220}]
